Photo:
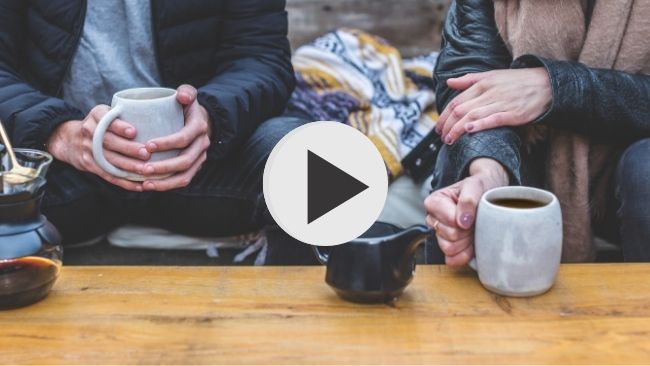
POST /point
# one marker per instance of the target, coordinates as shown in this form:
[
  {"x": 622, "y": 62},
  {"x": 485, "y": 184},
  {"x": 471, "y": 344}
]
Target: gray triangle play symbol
[{"x": 327, "y": 186}]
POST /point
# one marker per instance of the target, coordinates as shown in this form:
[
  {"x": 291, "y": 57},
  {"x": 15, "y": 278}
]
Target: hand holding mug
[
  {"x": 451, "y": 211},
  {"x": 71, "y": 143},
  {"x": 193, "y": 139},
  {"x": 163, "y": 146}
]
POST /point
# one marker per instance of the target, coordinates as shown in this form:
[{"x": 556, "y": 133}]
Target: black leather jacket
[{"x": 603, "y": 104}]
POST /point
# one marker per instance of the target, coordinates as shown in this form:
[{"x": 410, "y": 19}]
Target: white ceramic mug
[
  {"x": 518, "y": 250},
  {"x": 154, "y": 112}
]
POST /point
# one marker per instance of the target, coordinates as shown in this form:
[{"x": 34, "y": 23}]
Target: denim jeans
[
  {"x": 224, "y": 198},
  {"x": 632, "y": 194}
]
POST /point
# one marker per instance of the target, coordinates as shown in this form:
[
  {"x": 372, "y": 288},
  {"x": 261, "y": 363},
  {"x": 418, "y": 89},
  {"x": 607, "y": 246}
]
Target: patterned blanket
[{"x": 356, "y": 78}]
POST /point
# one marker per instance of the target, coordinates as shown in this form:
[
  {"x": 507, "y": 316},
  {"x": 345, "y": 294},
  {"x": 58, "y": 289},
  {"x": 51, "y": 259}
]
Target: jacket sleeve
[
  {"x": 471, "y": 43},
  {"x": 596, "y": 102},
  {"x": 29, "y": 114},
  {"x": 254, "y": 77}
]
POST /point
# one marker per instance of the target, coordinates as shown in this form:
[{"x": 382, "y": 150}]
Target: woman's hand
[
  {"x": 493, "y": 99},
  {"x": 193, "y": 139},
  {"x": 72, "y": 142},
  {"x": 451, "y": 211}
]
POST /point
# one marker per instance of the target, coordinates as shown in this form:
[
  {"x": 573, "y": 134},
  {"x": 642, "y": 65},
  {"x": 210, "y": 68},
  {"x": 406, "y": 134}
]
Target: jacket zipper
[{"x": 77, "y": 38}]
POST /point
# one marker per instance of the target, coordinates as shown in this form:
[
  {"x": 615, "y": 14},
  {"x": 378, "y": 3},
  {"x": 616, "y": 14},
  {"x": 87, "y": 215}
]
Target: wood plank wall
[{"x": 414, "y": 26}]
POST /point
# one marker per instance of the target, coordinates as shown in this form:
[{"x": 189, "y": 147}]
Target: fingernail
[
  {"x": 438, "y": 131},
  {"x": 149, "y": 186},
  {"x": 149, "y": 170},
  {"x": 143, "y": 152},
  {"x": 466, "y": 220},
  {"x": 129, "y": 131},
  {"x": 138, "y": 168},
  {"x": 469, "y": 127},
  {"x": 138, "y": 188},
  {"x": 151, "y": 147},
  {"x": 448, "y": 141}
]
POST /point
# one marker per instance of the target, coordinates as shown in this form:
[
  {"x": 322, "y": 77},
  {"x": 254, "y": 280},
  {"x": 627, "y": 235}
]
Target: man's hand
[
  {"x": 193, "y": 139},
  {"x": 495, "y": 99},
  {"x": 451, "y": 211},
  {"x": 72, "y": 143}
]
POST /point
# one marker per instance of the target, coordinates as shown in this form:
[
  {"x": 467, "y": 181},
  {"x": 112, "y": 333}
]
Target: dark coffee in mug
[
  {"x": 518, "y": 203},
  {"x": 26, "y": 280}
]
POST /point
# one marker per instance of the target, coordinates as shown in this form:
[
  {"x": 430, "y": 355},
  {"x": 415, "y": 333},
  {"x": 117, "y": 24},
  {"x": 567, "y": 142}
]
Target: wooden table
[{"x": 594, "y": 314}]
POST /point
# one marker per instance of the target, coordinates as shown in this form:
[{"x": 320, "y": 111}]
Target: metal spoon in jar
[{"x": 17, "y": 173}]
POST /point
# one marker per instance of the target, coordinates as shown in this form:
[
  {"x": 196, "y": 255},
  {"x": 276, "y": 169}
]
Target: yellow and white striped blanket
[{"x": 356, "y": 78}]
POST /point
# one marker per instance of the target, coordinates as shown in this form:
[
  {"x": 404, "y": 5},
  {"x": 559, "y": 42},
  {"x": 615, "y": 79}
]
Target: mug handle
[
  {"x": 98, "y": 143},
  {"x": 322, "y": 257}
]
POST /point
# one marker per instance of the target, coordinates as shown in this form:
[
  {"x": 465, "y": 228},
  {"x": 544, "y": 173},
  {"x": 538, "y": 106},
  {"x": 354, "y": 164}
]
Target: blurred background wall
[{"x": 413, "y": 26}]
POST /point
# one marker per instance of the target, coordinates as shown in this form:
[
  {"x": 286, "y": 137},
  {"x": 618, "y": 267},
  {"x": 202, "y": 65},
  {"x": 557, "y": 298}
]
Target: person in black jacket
[
  {"x": 60, "y": 62},
  {"x": 483, "y": 91}
]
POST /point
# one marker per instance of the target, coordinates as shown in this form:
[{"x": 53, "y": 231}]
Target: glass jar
[{"x": 30, "y": 251}]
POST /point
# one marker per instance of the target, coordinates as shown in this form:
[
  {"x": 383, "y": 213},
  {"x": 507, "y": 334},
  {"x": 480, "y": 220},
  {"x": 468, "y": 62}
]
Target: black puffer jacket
[
  {"x": 603, "y": 104},
  {"x": 234, "y": 51}
]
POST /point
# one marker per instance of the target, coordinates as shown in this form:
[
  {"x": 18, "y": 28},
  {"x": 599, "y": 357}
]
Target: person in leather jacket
[{"x": 484, "y": 95}]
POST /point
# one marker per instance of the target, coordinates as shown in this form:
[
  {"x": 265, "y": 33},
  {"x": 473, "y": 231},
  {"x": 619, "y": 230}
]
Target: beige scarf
[{"x": 578, "y": 171}]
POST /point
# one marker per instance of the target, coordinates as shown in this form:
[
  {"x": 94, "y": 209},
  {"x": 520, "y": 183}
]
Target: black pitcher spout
[
  {"x": 410, "y": 239},
  {"x": 413, "y": 236}
]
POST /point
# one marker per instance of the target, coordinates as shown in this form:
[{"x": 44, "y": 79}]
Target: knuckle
[
  {"x": 186, "y": 163},
  {"x": 469, "y": 200},
  {"x": 457, "y": 112},
  {"x": 446, "y": 247},
  {"x": 88, "y": 127},
  {"x": 465, "y": 256},
  {"x": 428, "y": 203},
  {"x": 203, "y": 129},
  {"x": 453, "y": 234},
  {"x": 431, "y": 201},
  {"x": 85, "y": 158}
]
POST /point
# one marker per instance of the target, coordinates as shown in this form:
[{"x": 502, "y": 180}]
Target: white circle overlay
[{"x": 285, "y": 182}]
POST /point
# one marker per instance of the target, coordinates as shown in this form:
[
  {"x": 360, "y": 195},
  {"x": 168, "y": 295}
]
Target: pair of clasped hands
[
  {"x": 488, "y": 100},
  {"x": 72, "y": 143}
]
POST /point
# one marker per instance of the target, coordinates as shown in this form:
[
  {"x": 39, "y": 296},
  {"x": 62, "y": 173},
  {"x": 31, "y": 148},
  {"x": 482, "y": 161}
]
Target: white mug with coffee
[
  {"x": 518, "y": 240},
  {"x": 154, "y": 112}
]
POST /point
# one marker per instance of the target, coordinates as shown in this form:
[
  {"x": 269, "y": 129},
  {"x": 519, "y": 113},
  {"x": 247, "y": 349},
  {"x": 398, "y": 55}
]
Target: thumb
[
  {"x": 464, "y": 82},
  {"x": 471, "y": 191},
  {"x": 186, "y": 94}
]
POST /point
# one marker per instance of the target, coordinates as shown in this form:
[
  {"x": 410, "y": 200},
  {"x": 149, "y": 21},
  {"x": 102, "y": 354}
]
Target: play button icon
[
  {"x": 325, "y": 183},
  {"x": 327, "y": 186}
]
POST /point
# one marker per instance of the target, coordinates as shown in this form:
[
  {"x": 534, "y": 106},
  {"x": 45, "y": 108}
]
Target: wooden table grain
[{"x": 285, "y": 315}]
